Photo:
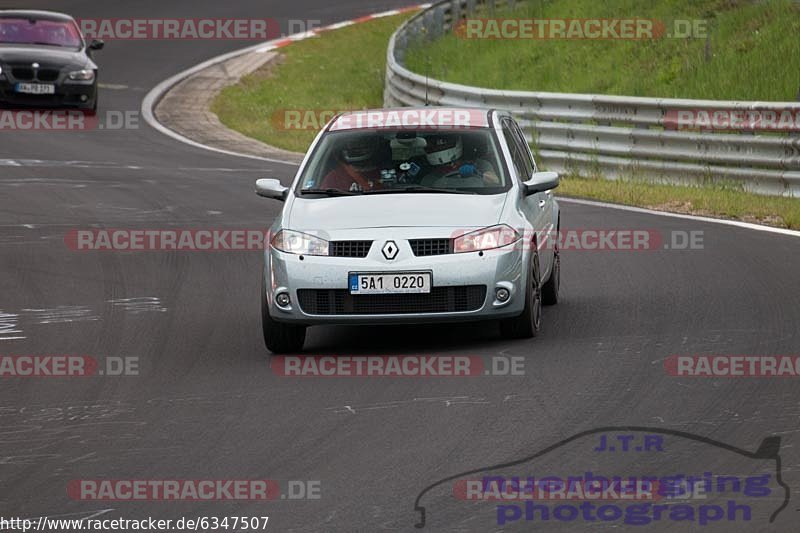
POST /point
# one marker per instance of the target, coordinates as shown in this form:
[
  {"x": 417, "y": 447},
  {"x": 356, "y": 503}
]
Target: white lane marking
[
  {"x": 737, "y": 223},
  {"x": 447, "y": 401},
  {"x": 340, "y": 25},
  {"x": 389, "y": 13},
  {"x": 81, "y": 458},
  {"x": 109, "y": 166},
  {"x": 144, "y": 304},
  {"x": 9, "y": 327},
  {"x": 302, "y": 35},
  {"x": 62, "y": 314}
]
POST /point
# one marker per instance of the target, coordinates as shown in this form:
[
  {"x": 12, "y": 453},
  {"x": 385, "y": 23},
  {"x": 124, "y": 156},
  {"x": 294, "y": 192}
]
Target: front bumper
[
  {"x": 75, "y": 95},
  {"x": 456, "y": 281}
]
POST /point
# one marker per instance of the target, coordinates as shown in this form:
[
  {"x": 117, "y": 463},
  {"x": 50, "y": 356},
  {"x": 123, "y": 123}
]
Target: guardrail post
[{"x": 455, "y": 13}]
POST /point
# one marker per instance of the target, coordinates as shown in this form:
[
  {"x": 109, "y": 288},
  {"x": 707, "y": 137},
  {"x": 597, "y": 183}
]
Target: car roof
[
  {"x": 428, "y": 117},
  {"x": 35, "y": 14}
]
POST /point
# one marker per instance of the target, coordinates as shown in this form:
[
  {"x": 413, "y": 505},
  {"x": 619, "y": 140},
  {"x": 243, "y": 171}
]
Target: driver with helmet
[
  {"x": 357, "y": 168},
  {"x": 450, "y": 169}
]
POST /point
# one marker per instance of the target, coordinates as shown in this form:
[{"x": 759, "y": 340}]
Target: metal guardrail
[{"x": 614, "y": 136}]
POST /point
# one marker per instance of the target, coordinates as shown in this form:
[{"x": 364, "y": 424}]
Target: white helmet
[{"x": 443, "y": 149}]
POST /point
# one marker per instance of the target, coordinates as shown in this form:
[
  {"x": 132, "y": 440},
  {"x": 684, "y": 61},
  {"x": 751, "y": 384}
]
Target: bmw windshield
[
  {"x": 40, "y": 32},
  {"x": 381, "y": 161}
]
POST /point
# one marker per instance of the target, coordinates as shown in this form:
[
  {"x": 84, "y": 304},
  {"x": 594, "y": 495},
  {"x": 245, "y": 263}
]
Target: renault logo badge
[{"x": 390, "y": 250}]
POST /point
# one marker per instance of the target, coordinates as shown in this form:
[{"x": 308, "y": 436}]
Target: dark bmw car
[{"x": 45, "y": 61}]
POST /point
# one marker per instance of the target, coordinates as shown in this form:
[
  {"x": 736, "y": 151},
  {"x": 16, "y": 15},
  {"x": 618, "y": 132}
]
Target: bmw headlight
[
  {"x": 486, "y": 239},
  {"x": 82, "y": 75},
  {"x": 294, "y": 242}
]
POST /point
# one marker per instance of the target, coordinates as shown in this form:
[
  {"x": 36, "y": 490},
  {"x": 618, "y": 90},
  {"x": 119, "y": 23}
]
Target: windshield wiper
[
  {"x": 328, "y": 192},
  {"x": 42, "y": 43},
  {"x": 418, "y": 188}
]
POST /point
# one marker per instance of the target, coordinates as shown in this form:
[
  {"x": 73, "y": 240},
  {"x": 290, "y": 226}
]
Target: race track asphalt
[{"x": 206, "y": 404}]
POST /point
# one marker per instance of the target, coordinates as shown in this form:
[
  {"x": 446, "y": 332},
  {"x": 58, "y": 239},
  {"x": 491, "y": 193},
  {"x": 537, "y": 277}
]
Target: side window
[
  {"x": 525, "y": 149},
  {"x": 513, "y": 146}
]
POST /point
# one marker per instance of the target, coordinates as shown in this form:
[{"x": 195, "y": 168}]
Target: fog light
[
  {"x": 283, "y": 299},
  {"x": 502, "y": 294}
]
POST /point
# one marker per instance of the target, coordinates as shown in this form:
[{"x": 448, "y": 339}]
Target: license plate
[
  {"x": 391, "y": 283},
  {"x": 36, "y": 88}
]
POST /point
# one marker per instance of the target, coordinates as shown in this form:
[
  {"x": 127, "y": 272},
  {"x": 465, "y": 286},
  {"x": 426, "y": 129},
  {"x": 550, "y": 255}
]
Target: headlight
[
  {"x": 82, "y": 75},
  {"x": 294, "y": 242},
  {"x": 485, "y": 239}
]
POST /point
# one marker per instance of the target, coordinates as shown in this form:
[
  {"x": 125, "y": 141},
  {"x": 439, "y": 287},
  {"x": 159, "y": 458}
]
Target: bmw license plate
[
  {"x": 390, "y": 283},
  {"x": 36, "y": 88}
]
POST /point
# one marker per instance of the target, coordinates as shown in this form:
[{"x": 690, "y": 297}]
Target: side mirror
[
  {"x": 96, "y": 44},
  {"x": 540, "y": 182},
  {"x": 271, "y": 188}
]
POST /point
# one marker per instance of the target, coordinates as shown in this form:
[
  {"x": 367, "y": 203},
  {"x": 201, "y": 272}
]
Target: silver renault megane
[{"x": 412, "y": 215}]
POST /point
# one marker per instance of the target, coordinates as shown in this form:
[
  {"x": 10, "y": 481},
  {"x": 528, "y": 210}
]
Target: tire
[
  {"x": 528, "y": 324},
  {"x": 278, "y": 337},
  {"x": 550, "y": 289}
]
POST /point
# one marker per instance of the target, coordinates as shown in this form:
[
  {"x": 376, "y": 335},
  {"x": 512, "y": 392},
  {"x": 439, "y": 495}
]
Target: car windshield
[
  {"x": 39, "y": 31},
  {"x": 384, "y": 161}
]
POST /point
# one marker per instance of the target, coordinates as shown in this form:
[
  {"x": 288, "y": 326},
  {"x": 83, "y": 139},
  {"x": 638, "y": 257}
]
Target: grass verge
[
  {"x": 702, "y": 200},
  {"x": 344, "y": 69},
  {"x": 751, "y": 51}
]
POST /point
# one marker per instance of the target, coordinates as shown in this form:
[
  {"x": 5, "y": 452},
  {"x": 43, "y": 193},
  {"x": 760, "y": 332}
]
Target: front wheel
[
  {"x": 278, "y": 337},
  {"x": 527, "y": 324},
  {"x": 550, "y": 289}
]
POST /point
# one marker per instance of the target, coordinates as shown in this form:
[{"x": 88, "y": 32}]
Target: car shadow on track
[{"x": 403, "y": 339}]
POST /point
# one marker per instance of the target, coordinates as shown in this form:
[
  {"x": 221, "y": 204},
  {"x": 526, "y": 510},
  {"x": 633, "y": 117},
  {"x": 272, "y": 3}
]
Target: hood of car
[
  {"x": 396, "y": 210},
  {"x": 45, "y": 55}
]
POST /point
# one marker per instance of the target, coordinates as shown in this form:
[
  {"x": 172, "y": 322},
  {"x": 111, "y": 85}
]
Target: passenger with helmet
[
  {"x": 449, "y": 167},
  {"x": 357, "y": 168}
]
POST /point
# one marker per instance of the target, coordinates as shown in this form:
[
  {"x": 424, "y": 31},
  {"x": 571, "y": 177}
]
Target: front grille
[
  {"x": 22, "y": 73},
  {"x": 439, "y": 300},
  {"x": 423, "y": 247},
  {"x": 350, "y": 248},
  {"x": 47, "y": 75},
  {"x": 28, "y": 74}
]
